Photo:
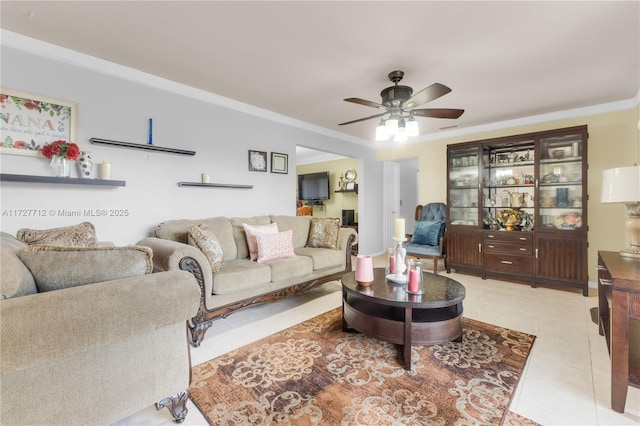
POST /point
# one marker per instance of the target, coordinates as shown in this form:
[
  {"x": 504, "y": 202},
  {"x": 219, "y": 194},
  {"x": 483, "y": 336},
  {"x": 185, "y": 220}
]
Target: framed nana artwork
[{"x": 28, "y": 122}]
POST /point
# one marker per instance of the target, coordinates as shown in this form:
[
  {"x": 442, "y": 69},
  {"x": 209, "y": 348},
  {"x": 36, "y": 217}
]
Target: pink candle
[
  {"x": 413, "y": 281},
  {"x": 392, "y": 264}
]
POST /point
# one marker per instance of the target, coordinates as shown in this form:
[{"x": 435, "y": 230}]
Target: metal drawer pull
[
  {"x": 605, "y": 281},
  {"x": 523, "y": 238},
  {"x": 491, "y": 246},
  {"x": 602, "y": 268},
  {"x": 480, "y": 248},
  {"x": 506, "y": 262},
  {"x": 523, "y": 249},
  {"x": 490, "y": 236}
]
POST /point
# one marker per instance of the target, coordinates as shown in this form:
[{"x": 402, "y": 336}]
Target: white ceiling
[{"x": 503, "y": 60}]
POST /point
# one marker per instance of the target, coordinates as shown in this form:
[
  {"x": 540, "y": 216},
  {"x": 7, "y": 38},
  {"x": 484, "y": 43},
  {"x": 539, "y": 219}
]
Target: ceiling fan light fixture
[
  {"x": 398, "y": 101},
  {"x": 392, "y": 125},
  {"x": 382, "y": 133},
  {"x": 411, "y": 128},
  {"x": 400, "y": 137}
]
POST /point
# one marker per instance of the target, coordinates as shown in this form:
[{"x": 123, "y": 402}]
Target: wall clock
[{"x": 350, "y": 175}]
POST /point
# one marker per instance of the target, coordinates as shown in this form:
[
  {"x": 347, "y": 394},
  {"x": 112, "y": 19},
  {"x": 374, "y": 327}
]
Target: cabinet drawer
[
  {"x": 515, "y": 249},
  {"x": 508, "y": 264},
  {"x": 515, "y": 237}
]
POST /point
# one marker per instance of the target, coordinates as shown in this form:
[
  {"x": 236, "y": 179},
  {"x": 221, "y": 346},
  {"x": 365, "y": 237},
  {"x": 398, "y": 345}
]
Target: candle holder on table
[
  {"x": 396, "y": 263},
  {"x": 414, "y": 274}
]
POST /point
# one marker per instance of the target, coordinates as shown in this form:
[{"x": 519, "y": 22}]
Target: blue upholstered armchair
[{"x": 427, "y": 240}]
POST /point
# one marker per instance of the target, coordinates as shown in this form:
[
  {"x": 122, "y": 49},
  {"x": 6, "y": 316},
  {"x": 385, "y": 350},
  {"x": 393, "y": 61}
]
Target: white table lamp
[{"x": 622, "y": 185}]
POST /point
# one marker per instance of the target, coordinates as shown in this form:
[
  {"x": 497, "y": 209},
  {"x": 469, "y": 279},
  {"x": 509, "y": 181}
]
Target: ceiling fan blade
[
  {"x": 362, "y": 119},
  {"x": 426, "y": 95},
  {"x": 438, "y": 112},
  {"x": 366, "y": 103}
]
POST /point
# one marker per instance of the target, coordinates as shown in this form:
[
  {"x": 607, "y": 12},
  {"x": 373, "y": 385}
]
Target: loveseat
[
  {"x": 320, "y": 253},
  {"x": 89, "y": 335}
]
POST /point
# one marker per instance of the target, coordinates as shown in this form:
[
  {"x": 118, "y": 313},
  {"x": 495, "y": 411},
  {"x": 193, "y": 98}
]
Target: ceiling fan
[{"x": 397, "y": 102}]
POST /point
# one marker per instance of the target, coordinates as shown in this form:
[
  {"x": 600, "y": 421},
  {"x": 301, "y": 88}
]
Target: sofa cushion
[
  {"x": 15, "y": 279},
  {"x": 423, "y": 249},
  {"x": 322, "y": 258},
  {"x": 275, "y": 246},
  {"x": 253, "y": 232},
  {"x": 240, "y": 274},
  {"x": 427, "y": 233},
  {"x": 240, "y": 235},
  {"x": 178, "y": 230},
  {"x": 55, "y": 268},
  {"x": 81, "y": 235},
  {"x": 323, "y": 233},
  {"x": 299, "y": 224},
  {"x": 290, "y": 267},
  {"x": 206, "y": 241}
]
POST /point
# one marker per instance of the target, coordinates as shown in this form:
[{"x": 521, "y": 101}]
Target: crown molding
[
  {"x": 58, "y": 53},
  {"x": 537, "y": 119},
  {"x": 52, "y": 51}
]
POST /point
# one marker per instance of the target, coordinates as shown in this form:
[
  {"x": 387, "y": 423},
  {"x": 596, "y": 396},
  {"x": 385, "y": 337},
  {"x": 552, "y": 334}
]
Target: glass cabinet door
[
  {"x": 508, "y": 186},
  {"x": 561, "y": 186},
  {"x": 463, "y": 186}
]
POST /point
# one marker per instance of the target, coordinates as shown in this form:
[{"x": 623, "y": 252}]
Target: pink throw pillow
[
  {"x": 275, "y": 246},
  {"x": 253, "y": 231}
]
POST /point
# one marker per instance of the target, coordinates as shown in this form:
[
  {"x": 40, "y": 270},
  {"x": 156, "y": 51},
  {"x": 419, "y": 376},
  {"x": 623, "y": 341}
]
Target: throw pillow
[
  {"x": 275, "y": 246},
  {"x": 81, "y": 235},
  {"x": 323, "y": 233},
  {"x": 55, "y": 267},
  {"x": 207, "y": 242},
  {"x": 427, "y": 233},
  {"x": 253, "y": 231}
]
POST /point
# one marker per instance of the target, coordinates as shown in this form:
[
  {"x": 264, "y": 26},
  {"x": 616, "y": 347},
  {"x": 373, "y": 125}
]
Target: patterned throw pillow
[
  {"x": 323, "y": 233},
  {"x": 427, "y": 233},
  {"x": 253, "y": 231},
  {"x": 275, "y": 246},
  {"x": 81, "y": 235},
  {"x": 205, "y": 240}
]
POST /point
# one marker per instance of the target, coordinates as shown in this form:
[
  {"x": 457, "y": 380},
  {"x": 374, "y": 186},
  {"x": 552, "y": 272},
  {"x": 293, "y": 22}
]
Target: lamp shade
[
  {"x": 412, "y": 128},
  {"x": 382, "y": 133},
  {"x": 621, "y": 185}
]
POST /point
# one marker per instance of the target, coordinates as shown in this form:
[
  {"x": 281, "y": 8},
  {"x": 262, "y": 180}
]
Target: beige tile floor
[{"x": 566, "y": 380}]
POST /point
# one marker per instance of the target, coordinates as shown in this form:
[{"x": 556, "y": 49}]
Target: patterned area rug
[{"x": 314, "y": 373}]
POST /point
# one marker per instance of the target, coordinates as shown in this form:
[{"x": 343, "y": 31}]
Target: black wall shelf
[
  {"x": 215, "y": 185},
  {"x": 345, "y": 191},
  {"x": 119, "y": 144},
  {"x": 7, "y": 177}
]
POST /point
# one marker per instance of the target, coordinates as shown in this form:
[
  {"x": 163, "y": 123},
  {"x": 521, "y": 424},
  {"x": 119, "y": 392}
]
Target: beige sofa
[
  {"x": 90, "y": 353},
  {"x": 240, "y": 282}
]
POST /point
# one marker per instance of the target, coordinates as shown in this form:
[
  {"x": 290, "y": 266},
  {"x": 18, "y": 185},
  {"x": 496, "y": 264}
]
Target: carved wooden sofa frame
[{"x": 205, "y": 317}]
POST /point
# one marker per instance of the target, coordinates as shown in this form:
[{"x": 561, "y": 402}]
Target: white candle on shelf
[{"x": 400, "y": 233}]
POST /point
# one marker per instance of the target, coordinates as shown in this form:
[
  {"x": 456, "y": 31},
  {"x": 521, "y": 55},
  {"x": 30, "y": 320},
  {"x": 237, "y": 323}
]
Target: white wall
[
  {"x": 408, "y": 191},
  {"x": 112, "y": 107}
]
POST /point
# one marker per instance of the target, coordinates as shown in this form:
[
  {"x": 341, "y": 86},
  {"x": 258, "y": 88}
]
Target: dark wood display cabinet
[{"x": 517, "y": 207}]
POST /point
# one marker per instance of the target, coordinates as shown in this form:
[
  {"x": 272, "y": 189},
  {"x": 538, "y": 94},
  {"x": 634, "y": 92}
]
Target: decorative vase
[
  {"x": 85, "y": 165},
  {"x": 61, "y": 166},
  {"x": 364, "y": 270}
]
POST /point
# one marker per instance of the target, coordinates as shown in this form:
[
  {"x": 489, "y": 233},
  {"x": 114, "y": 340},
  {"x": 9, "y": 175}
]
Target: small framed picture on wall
[
  {"x": 279, "y": 163},
  {"x": 257, "y": 161}
]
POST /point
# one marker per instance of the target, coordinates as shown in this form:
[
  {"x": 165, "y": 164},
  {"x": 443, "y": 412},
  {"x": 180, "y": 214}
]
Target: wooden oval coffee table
[{"x": 386, "y": 311}]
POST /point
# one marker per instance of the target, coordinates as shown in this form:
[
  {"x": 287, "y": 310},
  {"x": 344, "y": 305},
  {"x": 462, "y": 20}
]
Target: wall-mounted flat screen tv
[{"x": 313, "y": 186}]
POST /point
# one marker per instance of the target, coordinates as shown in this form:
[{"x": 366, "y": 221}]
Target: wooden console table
[{"x": 618, "y": 301}]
